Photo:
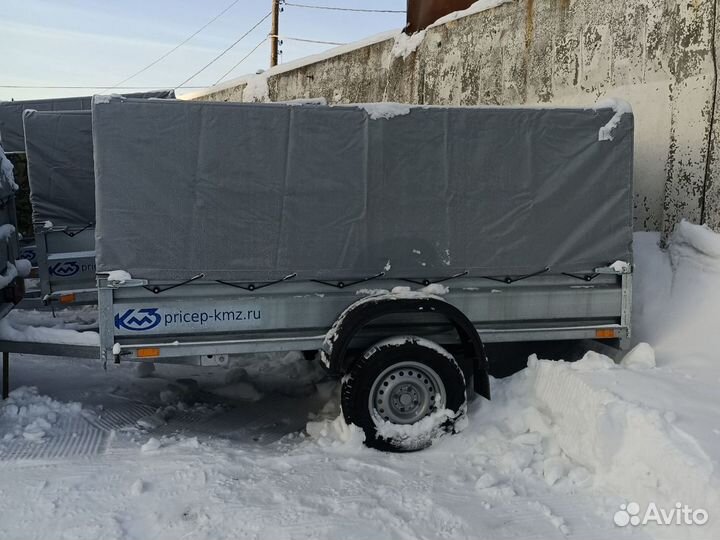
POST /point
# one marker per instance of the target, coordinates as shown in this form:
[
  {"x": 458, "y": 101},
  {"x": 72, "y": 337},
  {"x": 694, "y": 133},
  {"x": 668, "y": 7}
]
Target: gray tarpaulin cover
[
  {"x": 60, "y": 167},
  {"x": 11, "y": 123},
  {"x": 252, "y": 192}
]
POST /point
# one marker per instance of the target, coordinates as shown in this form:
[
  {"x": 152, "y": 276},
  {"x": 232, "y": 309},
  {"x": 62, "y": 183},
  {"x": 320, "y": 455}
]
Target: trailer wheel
[{"x": 404, "y": 393}]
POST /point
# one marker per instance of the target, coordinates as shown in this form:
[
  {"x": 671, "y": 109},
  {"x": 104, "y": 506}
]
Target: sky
[{"x": 102, "y": 42}]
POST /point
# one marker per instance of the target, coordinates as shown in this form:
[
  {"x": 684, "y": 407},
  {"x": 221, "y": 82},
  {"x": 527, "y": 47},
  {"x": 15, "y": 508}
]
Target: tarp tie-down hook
[
  {"x": 426, "y": 282},
  {"x": 512, "y": 279},
  {"x": 256, "y": 286},
  {"x": 343, "y": 284},
  {"x": 73, "y": 233},
  {"x": 157, "y": 290},
  {"x": 583, "y": 277}
]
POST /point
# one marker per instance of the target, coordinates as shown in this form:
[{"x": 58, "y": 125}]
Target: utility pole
[{"x": 274, "y": 33}]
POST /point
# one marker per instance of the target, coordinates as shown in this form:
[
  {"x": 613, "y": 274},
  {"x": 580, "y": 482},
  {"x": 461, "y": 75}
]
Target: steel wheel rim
[{"x": 405, "y": 393}]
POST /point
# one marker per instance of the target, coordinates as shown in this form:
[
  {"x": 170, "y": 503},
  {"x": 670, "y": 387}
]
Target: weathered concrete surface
[
  {"x": 657, "y": 54},
  {"x": 711, "y": 199}
]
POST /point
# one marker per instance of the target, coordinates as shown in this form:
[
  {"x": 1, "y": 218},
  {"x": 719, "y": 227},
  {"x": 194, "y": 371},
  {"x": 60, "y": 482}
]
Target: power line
[
  {"x": 240, "y": 62},
  {"x": 309, "y": 40},
  {"x": 151, "y": 64},
  {"x": 89, "y": 87},
  {"x": 224, "y": 52},
  {"x": 333, "y": 8}
]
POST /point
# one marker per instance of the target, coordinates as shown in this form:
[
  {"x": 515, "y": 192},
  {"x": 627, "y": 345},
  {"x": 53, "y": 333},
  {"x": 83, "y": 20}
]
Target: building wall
[{"x": 657, "y": 54}]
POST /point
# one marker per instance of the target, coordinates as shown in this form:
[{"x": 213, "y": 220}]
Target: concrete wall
[{"x": 657, "y": 54}]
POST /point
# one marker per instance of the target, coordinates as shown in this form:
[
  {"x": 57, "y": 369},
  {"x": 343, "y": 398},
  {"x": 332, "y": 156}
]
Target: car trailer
[
  {"x": 396, "y": 247},
  {"x": 62, "y": 191},
  {"x": 12, "y": 130}
]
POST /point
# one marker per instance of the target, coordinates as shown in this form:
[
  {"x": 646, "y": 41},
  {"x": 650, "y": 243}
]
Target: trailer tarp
[
  {"x": 60, "y": 167},
  {"x": 11, "y": 112},
  {"x": 252, "y": 192}
]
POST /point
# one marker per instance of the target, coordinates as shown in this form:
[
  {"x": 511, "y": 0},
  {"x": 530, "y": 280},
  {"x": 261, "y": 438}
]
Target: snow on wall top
[
  {"x": 406, "y": 45},
  {"x": 384, "y": 110}
]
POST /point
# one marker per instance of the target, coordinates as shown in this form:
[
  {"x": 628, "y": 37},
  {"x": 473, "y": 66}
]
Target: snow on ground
[
  {"x": 259, "y": 450},
  {"x": 71, "y": 327},
  {"x": 247, "y": 469},
  {"x": 31, "y": 416}
]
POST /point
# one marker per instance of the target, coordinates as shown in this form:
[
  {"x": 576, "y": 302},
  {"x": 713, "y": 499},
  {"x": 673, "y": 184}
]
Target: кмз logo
[
  {"x": 64, "y": 269},
  {"x": 138, "y": 319}
]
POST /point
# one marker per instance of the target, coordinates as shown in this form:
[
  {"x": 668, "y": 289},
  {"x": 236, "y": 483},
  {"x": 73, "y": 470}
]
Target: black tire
[{"x": 378, "y": 364}]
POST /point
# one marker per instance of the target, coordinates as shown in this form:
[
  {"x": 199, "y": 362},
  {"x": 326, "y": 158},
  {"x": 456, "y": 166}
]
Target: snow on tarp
[
  {"x": 7, "y": 178},
  {"x": 11, "y": 112},
  {"x": 7, "y": 229},
  {"x": 244, "y": 191},
  {"x": 7, "y": 237},
  {"x": 60, "y": 166}
]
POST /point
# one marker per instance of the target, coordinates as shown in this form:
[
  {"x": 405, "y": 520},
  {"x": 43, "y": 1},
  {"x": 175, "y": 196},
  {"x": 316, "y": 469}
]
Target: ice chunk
[
  {"x": 152, "y": 445},
  {"x": 137, "y": 487},
  {"x": 642, "y": 356},
  {"x": 435, "y": 288},
  {"x": 620, "y": 266},
  {"x": 6, "y": 172},
  {"x": 10, "y": 274},
  {"x": 485, "y": 481},
  {"x": 554, "y": 468},
  {"x": 23, "y": 267},
  {"x": 336, "y": 434},
  {"x": 118, "y": 276},
  {"x": 593, "y": 361},
  {"x": 6, "y": 232},
  {"x": 152, "y": 421}
]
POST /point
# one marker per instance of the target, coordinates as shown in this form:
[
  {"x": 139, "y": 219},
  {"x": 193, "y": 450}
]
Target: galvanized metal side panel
[
  {"x": 203, "y": 318},
  {"x": 65, "y": 261}
]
